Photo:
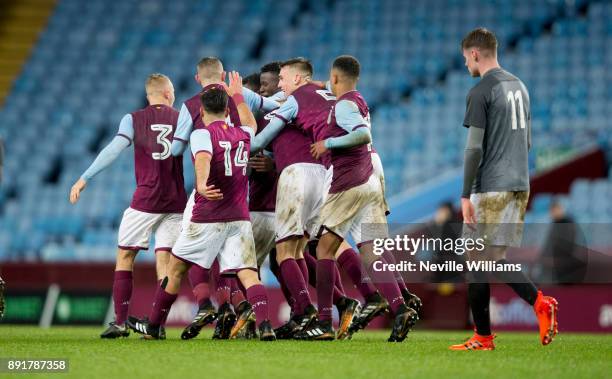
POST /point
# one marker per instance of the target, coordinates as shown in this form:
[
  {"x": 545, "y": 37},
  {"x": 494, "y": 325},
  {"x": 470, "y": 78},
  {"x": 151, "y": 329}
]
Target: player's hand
[
  {"x": 211, "y": 193},
  {"x": 317, "y": 149},
  {"x": 469, "y": 215},
  {"x": 261, "y": 163},
  {"x": 75, "y": 191},
  {"x": 235, "y": 84}
]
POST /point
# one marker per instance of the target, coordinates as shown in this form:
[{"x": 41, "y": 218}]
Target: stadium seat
[{"x": 412, "y": 76}]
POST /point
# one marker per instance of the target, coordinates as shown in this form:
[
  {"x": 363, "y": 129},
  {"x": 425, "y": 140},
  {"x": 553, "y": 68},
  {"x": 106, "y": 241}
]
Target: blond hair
[
  {"x": 210, "y": 68},
  {"x": 156, "y": 83}
]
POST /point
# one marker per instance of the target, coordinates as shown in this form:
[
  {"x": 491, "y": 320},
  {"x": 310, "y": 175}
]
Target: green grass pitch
[{"x": 423, "y": 355}]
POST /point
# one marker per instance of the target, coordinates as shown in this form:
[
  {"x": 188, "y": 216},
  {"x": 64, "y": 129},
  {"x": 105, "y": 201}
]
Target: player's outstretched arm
[
  {"x": 184, "y": 126},
  {"x": 472, "y": 156},
  {"x": 279, "y": 97},
  {"x": 267, "y": 135},
  {"x": 282, "y": 116},
  {"x": 108, "y": 155},
  {"x": 256, "y": 102}
]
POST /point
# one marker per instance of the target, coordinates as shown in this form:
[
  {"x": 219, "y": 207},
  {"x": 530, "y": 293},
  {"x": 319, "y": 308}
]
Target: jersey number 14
[{"x": 240, "y": 159}]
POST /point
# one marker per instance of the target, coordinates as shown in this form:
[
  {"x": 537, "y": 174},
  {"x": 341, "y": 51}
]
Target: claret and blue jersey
[{"x": 229, "y": 150}]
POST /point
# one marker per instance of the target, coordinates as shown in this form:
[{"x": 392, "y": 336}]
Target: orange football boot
[
  {"x": 477, "y": 342},
  {"x": 546, "y": 310}
]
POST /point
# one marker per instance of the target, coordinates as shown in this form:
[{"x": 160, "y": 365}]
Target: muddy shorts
[{"x": 499, "y": 216}]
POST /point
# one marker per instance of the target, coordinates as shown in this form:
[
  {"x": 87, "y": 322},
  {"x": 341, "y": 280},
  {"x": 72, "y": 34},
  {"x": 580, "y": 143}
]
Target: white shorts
[
  {"x": 229, "y": 242},
  {"x": 188, "y": 212},
  {"x": 499, "y": 217},
  {"x": 377, "y": 172},
  {"x": 329, "y": 175},
  {"x": 359, "y": 211},
  {"x": 263, "y": 234},
  {"x": 299, "y": 199},
  {"x": 380, "y": 174},
  {"x": 136, "y": 228}
]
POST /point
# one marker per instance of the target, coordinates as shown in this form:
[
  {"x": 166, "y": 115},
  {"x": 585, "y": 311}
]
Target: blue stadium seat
[{"x": 406, "y": 48}]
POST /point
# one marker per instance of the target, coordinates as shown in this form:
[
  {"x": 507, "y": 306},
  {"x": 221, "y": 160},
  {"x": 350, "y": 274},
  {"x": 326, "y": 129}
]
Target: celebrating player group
[{"x": 286, "y": 170}]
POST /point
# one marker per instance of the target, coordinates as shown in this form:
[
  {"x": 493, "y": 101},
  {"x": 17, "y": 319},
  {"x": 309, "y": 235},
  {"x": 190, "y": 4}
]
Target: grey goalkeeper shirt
[{"x": 499, "y": 104}]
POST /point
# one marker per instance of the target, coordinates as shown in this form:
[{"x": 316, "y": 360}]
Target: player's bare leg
[
  {"x": 176, "y": 272},
  {"x": 287, "y": 249},
  {"x": 299, "y": 248},
  {"x": 122, "y": 293},
  {"x": 257, "y": 300},
  {"x": 405, "y": 317},
  {"x": 162, "y": 257}
]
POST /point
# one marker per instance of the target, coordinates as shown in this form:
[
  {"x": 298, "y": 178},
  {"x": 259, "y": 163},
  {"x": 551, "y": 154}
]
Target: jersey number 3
[
  {"x": 513, "y": 98},
  {"x": 162, "y": 139},
  {"x": 240, "y": 160}
]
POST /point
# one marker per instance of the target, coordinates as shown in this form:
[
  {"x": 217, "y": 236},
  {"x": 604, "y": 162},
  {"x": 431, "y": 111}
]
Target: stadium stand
[
  {"x": 21, "y": 22},
  {"x": 588, "y": 202},
  {"x": 86, "y": 71}
]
